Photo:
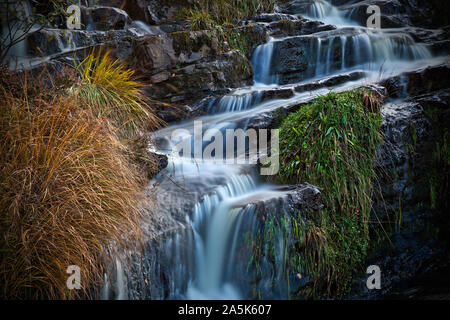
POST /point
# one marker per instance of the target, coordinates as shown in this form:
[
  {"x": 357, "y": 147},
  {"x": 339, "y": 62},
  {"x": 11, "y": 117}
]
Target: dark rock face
[
  {"x": 186, "y": 65},
  {"x": 273, "y": 17},
  {"x": 417, "y": 255},
  {"x": 297, "y": 27},
  {"x": 265, "y": 275},
  {"x": 295, "y": 7},
  {"x": 108, "y": 18},
  {"x": 400, "y": 13},
  {"x": 400, "y": 121},
  {"x": 153, "y": 12},
  {"x": 330, "y": 81}
]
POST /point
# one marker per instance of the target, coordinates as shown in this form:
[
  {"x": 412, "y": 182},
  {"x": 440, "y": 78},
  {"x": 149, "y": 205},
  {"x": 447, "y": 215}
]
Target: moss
[
  {"x": 287, "y": 26},
  {"x": 185, "y": 41},
  {"x": 221, "y": 17},
  {"x": 331, "y": 143}
]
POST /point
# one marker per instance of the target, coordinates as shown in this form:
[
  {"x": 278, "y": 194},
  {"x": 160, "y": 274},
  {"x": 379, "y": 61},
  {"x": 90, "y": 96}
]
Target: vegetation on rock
[
  {"x": 208, "y": 13},
  {"x": 70, "y": 186},
  {"x": 331, "y": 143}
]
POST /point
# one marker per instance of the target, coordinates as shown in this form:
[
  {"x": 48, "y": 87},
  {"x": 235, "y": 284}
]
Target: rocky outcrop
[
  {"x": 400, "y": 13},
  {"x": 411, "y": 191},
  {"x": 266, "y": 275},
  {"x": 297, "y": 27},
  {"x": 153, "y": 12},
  {"x": 184, "y": 66},
  {"x": 152, "y": 274},
  {"x": 419, "y": 82}
]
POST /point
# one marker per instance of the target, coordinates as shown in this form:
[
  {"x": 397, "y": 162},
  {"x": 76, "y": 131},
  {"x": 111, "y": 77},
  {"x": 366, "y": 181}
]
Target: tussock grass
[
  {"x": 209, "y": 13},
  {"x": 112, "y": 90},
  {"x": 69, "y": 185}
]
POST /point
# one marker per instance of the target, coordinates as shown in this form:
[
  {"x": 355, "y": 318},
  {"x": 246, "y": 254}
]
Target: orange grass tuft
[{"x": 67, "y": 190}]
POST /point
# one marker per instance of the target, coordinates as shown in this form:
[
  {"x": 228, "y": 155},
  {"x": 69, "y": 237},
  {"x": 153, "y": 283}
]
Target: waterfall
[
  {"x": 345, "y": 49},
  {"x": 213, "y": 224},
  {"x": 235, "y": 102},
  {"x": 327, "y": 13},
  {"x": 203, "y": 255},
  {"x": 262, "y": 63},
  {"x": 121, "y": 283},
  {"x": 141, "y": 28}
]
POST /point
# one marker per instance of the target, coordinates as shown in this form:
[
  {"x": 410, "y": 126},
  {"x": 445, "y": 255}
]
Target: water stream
[{"x": 205, "y": 259}]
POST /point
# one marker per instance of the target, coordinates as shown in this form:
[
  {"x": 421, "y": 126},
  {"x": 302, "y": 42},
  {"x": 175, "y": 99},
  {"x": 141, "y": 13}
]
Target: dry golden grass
[{"x": 68, "y": 186}]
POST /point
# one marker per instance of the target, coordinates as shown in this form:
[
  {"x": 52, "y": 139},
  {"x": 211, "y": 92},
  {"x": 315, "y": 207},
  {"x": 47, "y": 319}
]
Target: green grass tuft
[{"x": 332, "y": 143}]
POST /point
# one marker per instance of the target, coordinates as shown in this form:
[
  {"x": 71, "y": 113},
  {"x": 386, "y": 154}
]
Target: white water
[
  {"x": 344, "y": 49},
  {"x": 323, "y": 11},
  {"x": 141, "y": 28},
  {"x": 214, "y": 222},
  {"x": 235, "y": 102},
  {"x": 203, "y": 256},
  {"x": 262, "y": 59},
  {"x": 213, "y": 247}
]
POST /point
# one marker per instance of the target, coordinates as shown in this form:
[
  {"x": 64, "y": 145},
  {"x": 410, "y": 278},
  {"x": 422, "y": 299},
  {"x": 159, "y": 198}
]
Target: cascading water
[
  {"x": 204, "y": 257},
  {"x": 340, "y": 50},
  {"x": 214, "y": 247},
  {"x": 364, "y": 48},
  {"x": 262, "y": 60},
  {"x": 235, "y": 102},
  {"x": 327, "y": 13}
]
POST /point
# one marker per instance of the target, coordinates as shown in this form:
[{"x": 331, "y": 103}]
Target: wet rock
[
  {"x": 173, "y": 112},
  {"x": 272, "y": 17},
  {"x": 155, "y": 11},
  {"x": 294, "y": 7},
  {"x": 416, "y": 255},
  {"x": 280, "y": 93},
  {"x": 330, "y": 81},
  {"x": 108, "y": 18},
  {"x": 290, "y": 60},
  {"x": 188, "y": 65},
  {"x": 400, "y": 13},
  {"x": 297, "y": 27},
  {"x": 302, "y": 197},
  {"x": 418, "y": 82},
  {"x": 162, "y": 160}
]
